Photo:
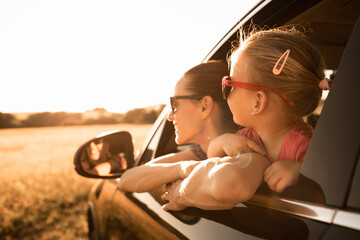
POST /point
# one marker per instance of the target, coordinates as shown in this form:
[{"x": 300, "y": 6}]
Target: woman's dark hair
[{"x": 205, "y": 79}]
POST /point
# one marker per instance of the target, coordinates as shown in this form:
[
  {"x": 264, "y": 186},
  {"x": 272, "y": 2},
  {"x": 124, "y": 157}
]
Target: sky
[{"x": 77, "y": 55}]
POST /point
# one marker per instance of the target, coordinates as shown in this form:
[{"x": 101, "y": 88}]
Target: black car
[{"x": 325, "y": 204}]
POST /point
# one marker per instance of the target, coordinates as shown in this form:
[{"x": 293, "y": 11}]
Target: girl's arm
[
  {"x": 154, "y": 174},
  {"x": 218, "y": 183},
  {"x": 231, "y": 144},
  {"x": 216, "y": 148},
  {"x": 282, "y": 174}
]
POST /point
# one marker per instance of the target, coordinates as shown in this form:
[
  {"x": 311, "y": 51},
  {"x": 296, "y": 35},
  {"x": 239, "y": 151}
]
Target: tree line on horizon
[{"x": 96, "y": 116}]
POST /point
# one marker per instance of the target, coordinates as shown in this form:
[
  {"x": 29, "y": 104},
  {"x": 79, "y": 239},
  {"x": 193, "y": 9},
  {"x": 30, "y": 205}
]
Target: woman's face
[
  {"x": 95, "y": 150},
  {"x": 239, "y": 99},
  {"x": 186, "y": 118}
]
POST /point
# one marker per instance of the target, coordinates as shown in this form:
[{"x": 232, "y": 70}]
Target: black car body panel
[{"x": 339, "y": 127}]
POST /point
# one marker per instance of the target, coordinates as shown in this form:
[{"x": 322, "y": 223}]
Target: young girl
[{"x": 275, "y": 80}]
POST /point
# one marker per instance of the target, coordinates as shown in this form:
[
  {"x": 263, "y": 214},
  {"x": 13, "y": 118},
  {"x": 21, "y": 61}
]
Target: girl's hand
[
  {"x": 282, "y": 174},
  {"x": 234, "y": 144}
]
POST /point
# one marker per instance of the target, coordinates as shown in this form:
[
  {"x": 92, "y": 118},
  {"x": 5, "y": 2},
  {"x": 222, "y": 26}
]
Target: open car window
[{"x": 331, "y": 35}]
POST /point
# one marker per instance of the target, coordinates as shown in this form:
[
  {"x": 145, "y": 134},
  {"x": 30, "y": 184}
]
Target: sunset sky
[{"x": 77, "y": 55}]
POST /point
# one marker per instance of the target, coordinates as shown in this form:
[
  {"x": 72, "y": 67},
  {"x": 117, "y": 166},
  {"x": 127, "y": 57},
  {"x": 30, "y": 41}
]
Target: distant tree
[
  {"x": 101, "y": 116},
  {"x": 45, "y": 119},
  {"x": 118, "y": 117},
  {"x": 135, "y": 115},
  {"x": 73, "y": 119},
  {"x": 159, "y": 109},
  {"x": 143, "y": 115},
  {"x": 6, "y": 120},
  {"x": 150, "y": 117},
  {"x": 102, "y": 120}
]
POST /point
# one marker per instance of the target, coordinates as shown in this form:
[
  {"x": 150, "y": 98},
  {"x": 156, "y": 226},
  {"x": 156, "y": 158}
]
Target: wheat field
[{"x": 41, "y": 196}]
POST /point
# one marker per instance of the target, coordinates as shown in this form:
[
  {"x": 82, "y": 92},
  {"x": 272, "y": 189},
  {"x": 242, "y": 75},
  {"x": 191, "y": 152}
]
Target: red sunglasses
[{"x": 228, "y": 86}]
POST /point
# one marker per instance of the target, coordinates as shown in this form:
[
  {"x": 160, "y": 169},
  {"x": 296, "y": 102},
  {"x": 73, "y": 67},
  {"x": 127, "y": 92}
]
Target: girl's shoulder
[
  {"x": 247, "y": 132},
  {"x": 302, "y": 129},
  {"x": 296, "y": 143}
]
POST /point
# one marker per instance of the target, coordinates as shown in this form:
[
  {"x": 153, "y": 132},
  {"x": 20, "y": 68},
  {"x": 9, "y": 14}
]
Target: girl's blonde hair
[{"x": 300, "y": 77}]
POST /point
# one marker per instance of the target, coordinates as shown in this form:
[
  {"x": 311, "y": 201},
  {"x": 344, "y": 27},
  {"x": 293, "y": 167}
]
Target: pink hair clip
[
  {"x": 276, "y": 70},
  {"x": 325, "y": 84}
]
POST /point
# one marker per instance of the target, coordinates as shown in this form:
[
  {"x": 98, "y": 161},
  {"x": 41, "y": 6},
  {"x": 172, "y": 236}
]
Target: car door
[
  {"x": 131, "y": 217},
  {"x": 346, "y": 223}
]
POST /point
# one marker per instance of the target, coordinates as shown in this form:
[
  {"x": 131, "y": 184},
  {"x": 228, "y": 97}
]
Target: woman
[{"x": 199, "y": 113}]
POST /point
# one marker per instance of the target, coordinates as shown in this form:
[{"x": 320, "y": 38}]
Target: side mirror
[{"x": 106, "y": 156}]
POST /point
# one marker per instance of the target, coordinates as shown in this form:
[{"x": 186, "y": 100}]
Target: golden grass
[{"x": 41, "y": 196}]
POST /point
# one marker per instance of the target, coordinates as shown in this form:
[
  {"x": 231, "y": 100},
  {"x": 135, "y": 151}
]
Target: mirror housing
[{"x": 106, "y": 156}]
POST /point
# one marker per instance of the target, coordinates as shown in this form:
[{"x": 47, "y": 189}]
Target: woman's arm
[
  {"x": 218, "y": 183},
  {"x": 162, "y": 170},
  {"x": 187, "y": 154}
]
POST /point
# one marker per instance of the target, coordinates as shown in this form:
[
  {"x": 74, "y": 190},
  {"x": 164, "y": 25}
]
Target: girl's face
[
  {"x": 239, "y": 99},
  {"x": 186, "y": 116}
]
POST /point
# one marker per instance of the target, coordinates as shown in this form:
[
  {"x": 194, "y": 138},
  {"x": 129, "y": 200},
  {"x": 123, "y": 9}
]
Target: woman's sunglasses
[
  {"x": 228, "y": 86},
  {"x": 173, "y": 103}
]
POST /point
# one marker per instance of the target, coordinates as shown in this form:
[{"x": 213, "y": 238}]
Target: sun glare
[{"x": 80, "y": 55}]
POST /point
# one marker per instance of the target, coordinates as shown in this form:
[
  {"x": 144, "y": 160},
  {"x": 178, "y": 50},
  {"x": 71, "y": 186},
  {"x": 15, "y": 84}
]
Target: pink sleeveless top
[{"x": 295, "y": 144}]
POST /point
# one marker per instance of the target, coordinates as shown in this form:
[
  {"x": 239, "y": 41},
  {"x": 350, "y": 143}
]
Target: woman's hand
[{"x": 174, "y": 198}]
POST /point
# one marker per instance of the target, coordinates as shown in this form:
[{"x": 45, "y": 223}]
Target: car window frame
[{"x": 151, "y": 148}]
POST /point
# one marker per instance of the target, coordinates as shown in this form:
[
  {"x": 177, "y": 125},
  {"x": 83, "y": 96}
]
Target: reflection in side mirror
[{"x": 107, "y": 156}]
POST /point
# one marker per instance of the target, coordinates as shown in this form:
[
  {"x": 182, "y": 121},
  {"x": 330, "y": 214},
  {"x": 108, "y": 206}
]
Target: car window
[
  {"x": 162, "y": 143},
  {"x": 167, "y": 142},
  {"x": 331, "y": 156},
  {"x": 149, "y": 151}
]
